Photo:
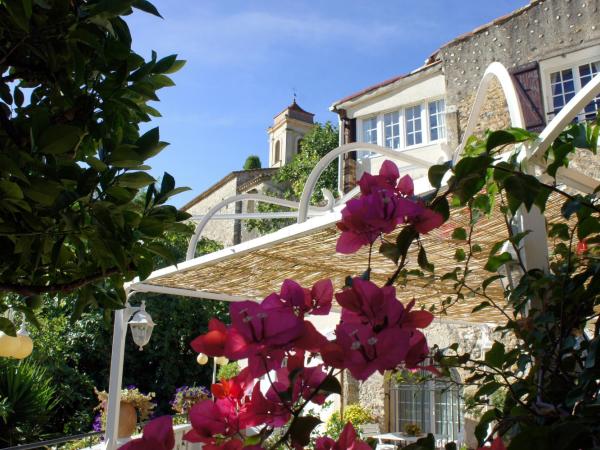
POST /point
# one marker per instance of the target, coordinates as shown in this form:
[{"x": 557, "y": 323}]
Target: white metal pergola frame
[{"x": 534, "y": 248}]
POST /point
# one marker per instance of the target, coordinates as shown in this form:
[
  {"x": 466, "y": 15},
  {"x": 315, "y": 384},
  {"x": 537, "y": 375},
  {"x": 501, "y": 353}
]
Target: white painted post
[
  {"x": 116, "y": 377},
  {"x": 534, "y": 247}
]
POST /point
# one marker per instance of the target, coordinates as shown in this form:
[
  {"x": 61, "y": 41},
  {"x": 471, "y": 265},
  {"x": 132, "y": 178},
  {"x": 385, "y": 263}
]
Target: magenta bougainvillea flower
[
  {"x": 315, "y": 301},
  {"x": 385, "y": 202},
  {"x": 376, "y": 332},
  {"x": 264, "y": 333},
  {"x": 348, "y": 440},
  {"x": 156, "y": 435}
]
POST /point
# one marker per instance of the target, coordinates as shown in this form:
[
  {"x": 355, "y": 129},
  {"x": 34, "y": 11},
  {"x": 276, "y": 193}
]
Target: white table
[{"x": 398, "y": 438}]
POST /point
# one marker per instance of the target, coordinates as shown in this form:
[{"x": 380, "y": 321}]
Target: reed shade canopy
[{"x": 306, "y": 253}]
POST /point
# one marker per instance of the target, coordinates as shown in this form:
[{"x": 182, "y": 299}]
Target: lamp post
[
  {"x": 202, "y": 359},
  {"x": 141, "y": 325}
]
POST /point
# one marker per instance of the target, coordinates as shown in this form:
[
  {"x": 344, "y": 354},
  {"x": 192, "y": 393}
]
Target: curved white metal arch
[
  {"x": 568, "y": 176},
  {"x": 494, "y": 71},
  {"x": 312, "y": 179},
  {"x": 191, "y": 250}
]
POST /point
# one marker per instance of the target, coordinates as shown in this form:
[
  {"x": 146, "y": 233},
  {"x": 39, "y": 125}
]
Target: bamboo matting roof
[{"x": 306, "y": 253}]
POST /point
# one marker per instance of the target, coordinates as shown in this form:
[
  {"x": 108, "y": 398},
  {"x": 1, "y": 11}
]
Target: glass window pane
[
  {"x": 392, "y": 129},
  {"x": 586, "y": 73},
  {"x": 437, "y": 120},
  {"x": 370, "y": 130},
  {"x": 413, "y": 125}
]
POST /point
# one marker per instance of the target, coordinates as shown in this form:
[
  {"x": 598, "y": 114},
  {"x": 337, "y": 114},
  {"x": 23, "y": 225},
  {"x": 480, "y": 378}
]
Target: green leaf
[
  {"x": 459, "y": 255},
  {"x": 521, "y": 189},
  {"x": 176, "y": 66},
  {"x": 8, "y": 189},
  {"x": 20, "y": 11},
  {"x": 589, "y": 225},
  {"x": 436, "y": 174},
  {"x": 559, "y": 230},
  {"x": 481, "y": 306},
  {"x": 60, "y": 139},
  {"x": 509, "y": 136},
  {"x": 441, "y": 206},
  {"x": 499, "y": 138},
  {"x": 495, "y": 356},
  {"x": 164, "y": 64},
  {"x": 167, "y": 184},
  {"x": 423, "y": 262},
  {"x": 570, "y": 206},
  {"x": 481, "y": 430},
  {"x": 331, "y": 385},
  {"x": 459, "y": 234},
  {"x": 488, "y": 389},
  {"x": 301, "y": 428},
  {"x": 146, "y": 6},
  {"x": 390, "y": 251},
  {"x": 134, "y": 180},
  {"x": 490, "y": 280},
  {"x": 7, "y": 327},
  {"x": 560, "y": 154},
  {"x": 494, "y": 262}
]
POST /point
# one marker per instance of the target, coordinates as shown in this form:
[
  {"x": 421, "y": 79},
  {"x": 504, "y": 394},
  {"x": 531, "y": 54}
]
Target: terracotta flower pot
[{"x": 127, "y": 420}]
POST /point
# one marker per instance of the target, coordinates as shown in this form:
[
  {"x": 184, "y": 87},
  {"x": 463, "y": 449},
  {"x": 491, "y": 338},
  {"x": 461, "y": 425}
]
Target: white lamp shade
[
  {"x": 8, "y": 345},
  {"x": 221, "y": 360},
  {"x": 141, "y": 325},
  {"x": 201, "y": 359}
]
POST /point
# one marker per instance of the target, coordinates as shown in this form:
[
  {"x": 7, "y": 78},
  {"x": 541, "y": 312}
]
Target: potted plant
[
  {"x": 135, "y": 407},
  {"x": 412, "y": 429},
  {"x": 187, "y": 396}
]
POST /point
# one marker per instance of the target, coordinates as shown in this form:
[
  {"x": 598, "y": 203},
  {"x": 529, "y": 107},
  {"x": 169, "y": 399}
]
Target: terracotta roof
[
  {"x": 260, "y": 175},
  {"x": 385, "y": 83},
  {"x": 294, "y": 107}
]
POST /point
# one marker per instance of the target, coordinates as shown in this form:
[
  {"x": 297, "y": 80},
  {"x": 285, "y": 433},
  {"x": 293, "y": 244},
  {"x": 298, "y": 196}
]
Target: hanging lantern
[
  {"x": 221, "y": 360},
  {"x": 141, "y": 325},
  {"x": 201, "y": 359},
  {"x": 24, "y": 344},
  {"x": 8, "y": 345}
]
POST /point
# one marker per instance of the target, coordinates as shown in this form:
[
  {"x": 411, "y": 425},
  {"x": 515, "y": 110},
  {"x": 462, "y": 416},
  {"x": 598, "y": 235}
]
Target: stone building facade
[
  {"x": 285, "y": 141},
  {"x": 551, "y": 48}
]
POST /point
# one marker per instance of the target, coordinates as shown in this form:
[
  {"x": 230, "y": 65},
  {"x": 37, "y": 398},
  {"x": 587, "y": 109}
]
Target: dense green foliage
[
  {"x": 252, "y": 162},
  {"x": 355, "y": 413},
  {"x": 228, "y": 371},
  {"x": 76, "y": 355},
  {"x": 72, "y": 159},
  {"x": 27, "y": 401},
  {"x": 292, "y": 177}
]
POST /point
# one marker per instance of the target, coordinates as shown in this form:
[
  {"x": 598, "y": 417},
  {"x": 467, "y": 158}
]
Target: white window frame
[
  {"x": 400, "y": 128},
  {"x": 558, "y": 64},
  {"x": 443, "y": 116},
  {"x": 425, "y": 126}
]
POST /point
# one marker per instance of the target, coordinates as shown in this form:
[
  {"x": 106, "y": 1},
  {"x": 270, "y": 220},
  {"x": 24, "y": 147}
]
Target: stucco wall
[{"x": 547, "y": 29}]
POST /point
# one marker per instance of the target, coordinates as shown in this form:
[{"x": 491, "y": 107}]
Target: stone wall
[
  {"x": 541, "y": 30},
  {"x": 219, "y": 230}
]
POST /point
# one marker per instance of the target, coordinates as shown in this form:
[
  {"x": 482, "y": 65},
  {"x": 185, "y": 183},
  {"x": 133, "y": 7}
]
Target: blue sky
[{"x": 245, "y": 58}]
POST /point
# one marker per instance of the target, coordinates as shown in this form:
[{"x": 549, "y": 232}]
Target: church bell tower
[{"x": 286, "y": 133}]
